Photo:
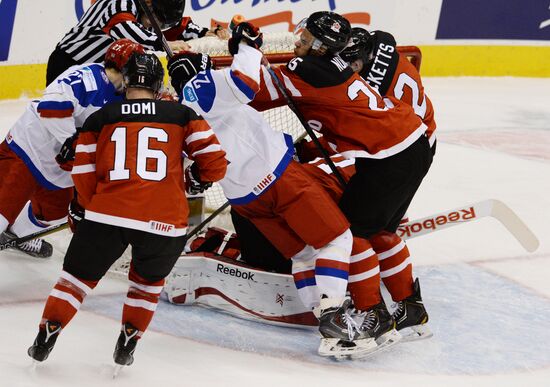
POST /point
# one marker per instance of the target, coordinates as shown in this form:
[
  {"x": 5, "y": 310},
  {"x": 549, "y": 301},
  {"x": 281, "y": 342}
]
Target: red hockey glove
[
  {"x": 246, "y": 33},
  {"x": 193, "y": 184}
]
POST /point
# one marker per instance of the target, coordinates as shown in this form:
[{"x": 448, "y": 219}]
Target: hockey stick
[
  {"x": 156, "y": 27},
  {"x": 490, "y": 207},
  {"x": 309, "y": 131},
  {"x": 201, "y": 225},
  {"x": 16, "y": 241}
]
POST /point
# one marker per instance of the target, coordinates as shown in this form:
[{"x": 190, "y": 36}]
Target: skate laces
[
  {"x": 32, "y": 246},
  {"x": 399, "y": 309},
  {"x": 351, "y": 325},
  {"x": 370, "y": 320}
]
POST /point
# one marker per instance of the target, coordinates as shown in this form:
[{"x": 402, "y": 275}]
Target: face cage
[{"x": 300, "y": 27}]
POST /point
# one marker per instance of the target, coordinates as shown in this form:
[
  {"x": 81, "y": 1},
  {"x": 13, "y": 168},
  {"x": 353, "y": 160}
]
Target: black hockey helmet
[
  {"x": 331, "y": 29},
  {"x": 168, "y": 12},
  {"x": 143, "y": 71},
  {"x": 360, "y": 46}
]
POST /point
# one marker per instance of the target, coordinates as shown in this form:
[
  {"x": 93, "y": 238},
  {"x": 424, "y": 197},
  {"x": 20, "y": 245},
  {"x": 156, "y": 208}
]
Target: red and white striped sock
[
  {"x": 395, "y": 264},
  {"x": 364, "y": 275},
  {"x": 141, "y": 301},
  {"x": 65, "y": 298}
]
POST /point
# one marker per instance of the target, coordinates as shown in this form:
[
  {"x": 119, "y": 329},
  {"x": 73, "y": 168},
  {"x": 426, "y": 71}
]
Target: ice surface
[{"x": 489, "y": 301}]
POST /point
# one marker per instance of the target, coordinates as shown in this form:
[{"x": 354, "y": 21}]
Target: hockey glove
[
  {"x": 65, "y": 157},
  {"x": 76, "y": 214},
  {"x": 246, "y": 33},
  {"x": 194, "y": 185},
  {"x": 185, "y": 65}
]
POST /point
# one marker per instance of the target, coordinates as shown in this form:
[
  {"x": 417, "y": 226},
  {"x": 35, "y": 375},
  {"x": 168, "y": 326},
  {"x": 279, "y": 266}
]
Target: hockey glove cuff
[
  {"x": 246, "y": 33},
  {"x": 65, "y": 157},
  {"x": 193, "y": 183},
  {"x": 76, "y": 214},
  {"x": 184, "y": 66}
]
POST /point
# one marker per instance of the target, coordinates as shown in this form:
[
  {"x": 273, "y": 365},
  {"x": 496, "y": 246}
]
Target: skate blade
[
  {"x": 116, "y": 370},
  {"x": 416, "y": 332},
  {"x": 335, "y": 348},
  {"x": 384, "y": 342},
  {"x": 34, "y": 364}
]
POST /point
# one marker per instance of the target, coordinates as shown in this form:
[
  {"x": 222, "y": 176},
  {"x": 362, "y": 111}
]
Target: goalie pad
[{"x": 238, "y": 289}]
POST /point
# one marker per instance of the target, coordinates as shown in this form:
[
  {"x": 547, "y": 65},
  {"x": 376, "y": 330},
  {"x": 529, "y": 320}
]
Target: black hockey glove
[
  {"x": 246, "y": 33},
  {"x": 185, "y": 65},
  {"x": 65, "y": 157},
  {"x": 76, "y": 214},
  {"x": 193, "y": 184}
]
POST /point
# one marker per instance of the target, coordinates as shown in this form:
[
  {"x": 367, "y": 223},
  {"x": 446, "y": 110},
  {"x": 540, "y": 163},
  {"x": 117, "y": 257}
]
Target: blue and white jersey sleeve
[
  {"x": 39, "y": 133},
  {"x": 72, "y": 97},
  {"x": 244, "y": 74},
  {"x": 257, "y": 154}
]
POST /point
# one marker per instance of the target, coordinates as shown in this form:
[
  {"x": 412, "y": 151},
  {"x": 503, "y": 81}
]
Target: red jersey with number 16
[{"x": 128, "y": 168}]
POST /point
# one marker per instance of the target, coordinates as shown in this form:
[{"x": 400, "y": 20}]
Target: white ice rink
[{"x": 489, "y": 300}]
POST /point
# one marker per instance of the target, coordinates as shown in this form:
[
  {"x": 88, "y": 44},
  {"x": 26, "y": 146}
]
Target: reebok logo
[
  {"x": 433, "y": 223},
  {"x": 234, "y": 272}
]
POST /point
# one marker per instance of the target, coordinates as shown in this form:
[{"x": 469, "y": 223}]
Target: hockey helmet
[
  {"x": 143, "y": 71},
  {"x": 360, "y": 46},
  {"x": 329, "y": 29},
  {"x": 120, "y": 51},
  {"x": 168, "y": 12}
]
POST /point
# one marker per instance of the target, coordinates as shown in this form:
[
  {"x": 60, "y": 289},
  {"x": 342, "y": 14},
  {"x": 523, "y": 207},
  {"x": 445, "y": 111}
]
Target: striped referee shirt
[{"x": 108, "y": 20}]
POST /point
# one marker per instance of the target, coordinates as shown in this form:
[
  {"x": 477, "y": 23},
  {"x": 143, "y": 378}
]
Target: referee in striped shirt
[{"x": 108, "y": 20}]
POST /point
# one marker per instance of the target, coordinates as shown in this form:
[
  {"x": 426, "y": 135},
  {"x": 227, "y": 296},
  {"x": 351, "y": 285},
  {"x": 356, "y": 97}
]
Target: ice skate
[
  {"x": 379, "y": 324},
  {"x": 44, "y": 342},
  {"x": 125, "y": 346},
  {"x": 38, "y": 248},
  {"x": 411, "y": 316},
  {"x": 341, "y": 335}
]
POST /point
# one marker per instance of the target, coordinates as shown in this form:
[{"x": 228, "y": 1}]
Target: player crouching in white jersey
[
  {"x": 35, "y": 158},
  {"x": 264, "y": 184}
]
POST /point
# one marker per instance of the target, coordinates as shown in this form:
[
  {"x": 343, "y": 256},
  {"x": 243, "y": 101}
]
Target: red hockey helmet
[{"x": 120, "y": 51}]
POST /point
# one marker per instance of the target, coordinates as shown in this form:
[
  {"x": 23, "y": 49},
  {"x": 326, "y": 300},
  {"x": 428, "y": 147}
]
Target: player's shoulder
[
  {"x": 383, "y": 37},
  {"x": 175, "y": 112},
  {"x": 320, "y": 71},
  {"x": 85, "y": 77}
]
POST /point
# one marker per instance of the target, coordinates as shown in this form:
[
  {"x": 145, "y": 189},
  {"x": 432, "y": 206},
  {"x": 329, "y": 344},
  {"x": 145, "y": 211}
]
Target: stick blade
[{"x": 514, "y": 225}]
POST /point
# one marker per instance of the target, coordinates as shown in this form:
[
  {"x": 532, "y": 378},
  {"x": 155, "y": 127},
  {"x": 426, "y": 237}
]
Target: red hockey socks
[
  {"x": 65, "y": 299},
  {"x": 141, "y": 301},
  {"x": 364, "y": 275},
  {"x": 395, "y": 265}
]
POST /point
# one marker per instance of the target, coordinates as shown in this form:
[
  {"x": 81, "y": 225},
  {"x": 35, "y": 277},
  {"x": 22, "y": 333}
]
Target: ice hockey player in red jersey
[
  {"x": 375, "y": 57},
  {"x": 386, "y": 138},
  {"x": 129, "y": 175},
  {"x": 266, "y": 186},
  {"x": 35, "y": 158}
]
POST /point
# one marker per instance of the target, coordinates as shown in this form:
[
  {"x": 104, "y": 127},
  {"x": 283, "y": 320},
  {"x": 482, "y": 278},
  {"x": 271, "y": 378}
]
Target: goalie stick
[
  {"x": 490, "y": 207},
  {"x": 16, "y": 241}
]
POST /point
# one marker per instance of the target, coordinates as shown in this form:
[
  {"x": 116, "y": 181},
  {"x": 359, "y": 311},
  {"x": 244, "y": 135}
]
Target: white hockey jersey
[
  {"x": 257, "y": 154},
  {"x": 39, "y": 133}
]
